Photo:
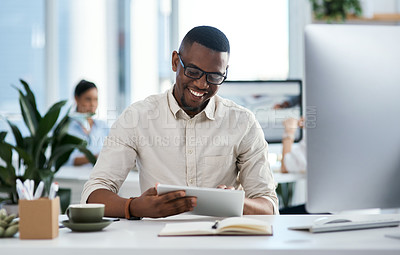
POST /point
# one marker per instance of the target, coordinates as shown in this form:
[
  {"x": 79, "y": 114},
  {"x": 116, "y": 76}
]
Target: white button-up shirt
[{"x": 223, "y": 144}]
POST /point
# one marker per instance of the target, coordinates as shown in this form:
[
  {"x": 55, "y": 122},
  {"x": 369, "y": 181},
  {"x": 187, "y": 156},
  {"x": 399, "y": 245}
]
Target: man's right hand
[{"x": 149, "y": 204}]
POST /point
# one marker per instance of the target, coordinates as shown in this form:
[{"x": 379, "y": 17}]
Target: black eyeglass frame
[{"x": 202, "y": 72}]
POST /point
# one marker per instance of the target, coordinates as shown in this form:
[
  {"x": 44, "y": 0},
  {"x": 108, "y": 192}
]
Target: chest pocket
[{"x": 218, "y": 161}]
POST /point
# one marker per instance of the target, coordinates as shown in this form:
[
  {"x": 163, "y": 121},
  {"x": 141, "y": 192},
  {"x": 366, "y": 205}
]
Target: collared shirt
[
  {"x": 95, "y": 138},
  {"x": 223, "y": 144}
]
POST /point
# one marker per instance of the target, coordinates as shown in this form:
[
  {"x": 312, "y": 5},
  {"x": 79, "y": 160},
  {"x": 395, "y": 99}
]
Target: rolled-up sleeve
[
  {"x": 116, "y": 159},
  {"x": 254, "y": 172}
]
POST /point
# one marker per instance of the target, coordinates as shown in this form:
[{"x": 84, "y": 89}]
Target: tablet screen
[{"x": 211, "y": 201}]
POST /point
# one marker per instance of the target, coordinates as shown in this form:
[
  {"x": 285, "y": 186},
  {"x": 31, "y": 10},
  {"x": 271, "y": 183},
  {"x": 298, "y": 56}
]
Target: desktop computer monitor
[
  {"x": 270, "y": 101},
  {"x": 352, "y": 98}
]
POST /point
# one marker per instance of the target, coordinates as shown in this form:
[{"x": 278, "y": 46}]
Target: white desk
[
  {"x": 140, "y": 237},
  {"x": 75, "y": 178}
]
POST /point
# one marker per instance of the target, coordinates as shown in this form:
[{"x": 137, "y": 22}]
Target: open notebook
[{"x": 228, "y": 226}]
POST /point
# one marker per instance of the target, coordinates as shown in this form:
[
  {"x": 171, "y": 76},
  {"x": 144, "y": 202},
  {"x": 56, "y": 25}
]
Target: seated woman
[
  {"x": 293, "y": 155},
  {"x": 83, "y": 125}
]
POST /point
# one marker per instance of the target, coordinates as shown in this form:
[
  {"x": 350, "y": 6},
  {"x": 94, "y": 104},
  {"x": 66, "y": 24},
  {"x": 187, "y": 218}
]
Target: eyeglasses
[{"x": 197, "y": 73}]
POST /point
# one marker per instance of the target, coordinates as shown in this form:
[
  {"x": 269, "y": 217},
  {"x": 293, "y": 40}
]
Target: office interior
[{"x": 125, "y": 46}]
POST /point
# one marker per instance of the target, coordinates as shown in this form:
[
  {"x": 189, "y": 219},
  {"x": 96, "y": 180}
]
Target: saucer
[{"x": 86, "y": 227}]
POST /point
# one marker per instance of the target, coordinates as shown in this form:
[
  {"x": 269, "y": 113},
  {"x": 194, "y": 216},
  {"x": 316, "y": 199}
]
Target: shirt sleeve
[
  {"x": 254, "y": 172},
  {"x": 116, "y": 159},
  {"x": 295, "y": 160}
]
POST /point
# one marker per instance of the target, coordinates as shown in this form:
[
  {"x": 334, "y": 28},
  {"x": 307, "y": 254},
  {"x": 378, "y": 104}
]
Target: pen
[
  {"x": 27, "y": 187},
  {"x": 20, "y": 189},
  {"x": 32, "y": 187},
  {"x": 53, "y": 190},
  {"x": 39, "y": 190},
  {"x": 215, "y": 226}
]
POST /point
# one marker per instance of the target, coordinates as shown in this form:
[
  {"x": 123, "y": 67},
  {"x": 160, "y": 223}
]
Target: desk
[
  {"x": 140, "y": 237},
  {"x": 75, "y": 177}
]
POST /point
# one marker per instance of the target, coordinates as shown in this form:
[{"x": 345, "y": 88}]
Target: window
[
  {"x": 257, "y": 31},
  {"x": 22, "y": 51}
]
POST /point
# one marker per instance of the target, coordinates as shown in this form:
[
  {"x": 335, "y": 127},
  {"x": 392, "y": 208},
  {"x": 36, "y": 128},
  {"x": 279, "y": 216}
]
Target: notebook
[{"x": 228, "y": 226}]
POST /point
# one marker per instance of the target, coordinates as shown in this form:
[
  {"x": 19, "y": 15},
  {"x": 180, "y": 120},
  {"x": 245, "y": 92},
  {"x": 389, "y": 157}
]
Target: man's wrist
[{"x": 128, "y": 211}]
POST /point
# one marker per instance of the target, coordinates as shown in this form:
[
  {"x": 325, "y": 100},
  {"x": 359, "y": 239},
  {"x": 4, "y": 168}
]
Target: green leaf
[
  {"x": 31, "y": 98},
  {"x": 62, "y": 127},
  {"x": 3, "y": 136},
  {"x": 24, "y": 155},
  {"x": 6, "y": 153},
  {"x": 17, "y": 134},
  {"x": 39, "y": 151},
  {"x": 89, "y": 155},
  {"x": 48, "y": 121},
  {"x": 59, "y": 152},
  {"x": 70, "y": 139},
  {"x": 62, "y": 159},
  {"x": 28, "y": 113},
  {"x": 7, "y": 175},
  {"x": 32, "y": 173}
]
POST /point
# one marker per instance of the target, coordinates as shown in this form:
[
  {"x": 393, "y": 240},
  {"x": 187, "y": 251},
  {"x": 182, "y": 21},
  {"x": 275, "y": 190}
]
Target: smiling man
[{"x": 187, "y": 136}]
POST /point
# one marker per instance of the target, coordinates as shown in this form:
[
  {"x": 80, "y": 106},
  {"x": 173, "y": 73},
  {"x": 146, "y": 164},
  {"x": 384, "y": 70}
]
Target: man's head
[{"x": 201, "y": 66}]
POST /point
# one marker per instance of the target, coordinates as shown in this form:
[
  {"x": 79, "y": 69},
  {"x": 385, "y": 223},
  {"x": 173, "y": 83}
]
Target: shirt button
[
  {"x": 190, "y": 151},
  {"x": 191, "y": 181}
]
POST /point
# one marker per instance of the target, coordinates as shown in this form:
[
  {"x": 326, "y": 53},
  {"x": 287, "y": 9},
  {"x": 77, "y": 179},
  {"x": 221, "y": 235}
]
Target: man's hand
[
  {"x": 149, "y": 204},
  {"x": 257, "y": 205}
]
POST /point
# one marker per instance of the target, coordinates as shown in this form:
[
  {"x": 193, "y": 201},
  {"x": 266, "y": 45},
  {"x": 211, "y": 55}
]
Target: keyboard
[{"x": 352, "y": 225}]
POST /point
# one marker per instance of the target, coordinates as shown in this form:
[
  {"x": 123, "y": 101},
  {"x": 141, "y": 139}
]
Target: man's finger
[
  {"x": 150, "y": 192},
  {"x": 173, "y": 195},
  {"x": 180, "y": 205}
]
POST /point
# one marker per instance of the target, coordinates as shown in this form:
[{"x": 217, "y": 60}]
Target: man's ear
[{"x": 175, "y": 61}]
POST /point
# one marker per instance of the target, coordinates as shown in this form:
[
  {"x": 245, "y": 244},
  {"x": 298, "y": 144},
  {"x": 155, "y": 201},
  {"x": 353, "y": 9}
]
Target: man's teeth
[{"x": 196, "y": 93}]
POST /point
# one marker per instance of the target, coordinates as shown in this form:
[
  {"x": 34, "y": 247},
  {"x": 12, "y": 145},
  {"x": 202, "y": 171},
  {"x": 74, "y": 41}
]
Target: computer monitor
[
  {"x": 270, "y": 101},
  {"x": 352, "y": 98}
]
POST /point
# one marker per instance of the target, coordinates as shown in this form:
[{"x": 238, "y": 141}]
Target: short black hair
[
  {"x": 83, "y": 86},
  {"x": 207, "y": 36}
]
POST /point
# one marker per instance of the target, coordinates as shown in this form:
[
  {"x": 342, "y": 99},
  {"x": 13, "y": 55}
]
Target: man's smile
[{"x": 196, "y": 93}]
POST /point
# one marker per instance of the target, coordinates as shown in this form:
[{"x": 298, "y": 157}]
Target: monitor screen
[
  {"x": 352, "y": 89},
  {"x": 270, "y": 101}
]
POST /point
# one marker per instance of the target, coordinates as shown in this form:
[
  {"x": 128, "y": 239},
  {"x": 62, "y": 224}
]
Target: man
[{"x": 186, "y": 136}]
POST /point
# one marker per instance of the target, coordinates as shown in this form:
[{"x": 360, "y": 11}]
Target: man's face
[{"x": 191, "y": 94}]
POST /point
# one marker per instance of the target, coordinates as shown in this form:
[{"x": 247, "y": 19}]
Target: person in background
[
  {"x": 187, "y": 136},
  {"x": 293, "y": 155},
  {"x": 82, "y": 123}
]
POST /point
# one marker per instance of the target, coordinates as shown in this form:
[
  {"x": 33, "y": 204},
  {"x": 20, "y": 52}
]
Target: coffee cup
[{"x": 85, "y": 213}]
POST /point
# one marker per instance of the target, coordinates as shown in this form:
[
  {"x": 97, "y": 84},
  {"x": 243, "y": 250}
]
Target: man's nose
[{"x": 202, "y": 82}]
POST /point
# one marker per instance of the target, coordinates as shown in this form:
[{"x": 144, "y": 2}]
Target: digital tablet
[{"x": 211, "y": 201}]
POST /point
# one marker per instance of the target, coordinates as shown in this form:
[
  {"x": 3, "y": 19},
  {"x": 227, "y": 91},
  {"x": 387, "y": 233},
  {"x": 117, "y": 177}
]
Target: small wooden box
[{"x": 38, "y": 219}]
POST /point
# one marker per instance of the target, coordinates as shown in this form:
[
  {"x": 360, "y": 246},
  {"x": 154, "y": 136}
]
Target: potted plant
[
  {"x": 335, "y": 10},
  {"x": 41, "y": 153}
]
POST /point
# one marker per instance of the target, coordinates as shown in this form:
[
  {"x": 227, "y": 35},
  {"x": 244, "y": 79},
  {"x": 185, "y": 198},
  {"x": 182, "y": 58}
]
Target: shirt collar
[{"x": 174, "y": 107}]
